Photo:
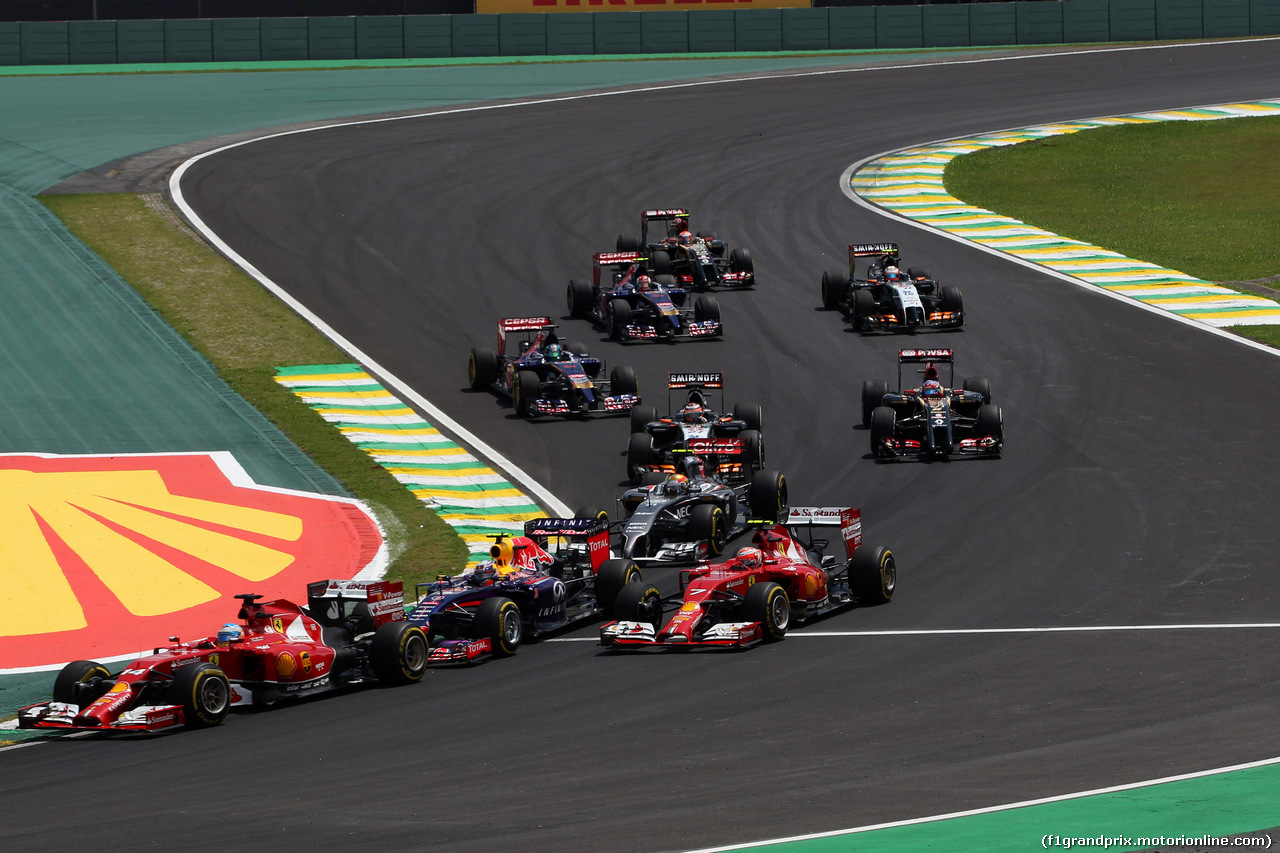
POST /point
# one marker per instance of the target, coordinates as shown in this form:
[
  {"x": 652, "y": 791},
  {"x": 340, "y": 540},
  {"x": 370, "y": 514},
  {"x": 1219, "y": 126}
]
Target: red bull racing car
[
  {"x": 544, "y": 376},
  {"x": 889, "y": 299},
  {"x": 350, "y": 632},
  {"x": 635, "y": 304},
  {"x": 784, "y": 577}
]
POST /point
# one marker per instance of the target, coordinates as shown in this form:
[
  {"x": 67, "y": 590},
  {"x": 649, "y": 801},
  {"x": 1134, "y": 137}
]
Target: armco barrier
[{"x": 1023, "y": 22}]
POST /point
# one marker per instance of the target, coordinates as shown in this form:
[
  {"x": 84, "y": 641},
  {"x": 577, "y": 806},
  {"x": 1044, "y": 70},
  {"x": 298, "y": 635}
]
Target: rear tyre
[
  {"x": 498, "y": 619},
  {"x": 639, "y": 602},
  {"x": 864, "y": 307},
  {"x": 204, "y": 693},
  {"x": 525, "y": 392},
  {"x": 399, "y": 652},
  {"x": 579, "y": 297},
  {"x": 576, "y": 348},
  {"x": 482, "y": 368},
  {"x": 749, "y": 413},
  {"x": 883, "y": 420},
  {"x": 639, "y": 455},
  {"x": 661, "y": 261},
  {"x": 767, "y": 604},
  {"x": 629, "y": 244},
  {"x": 767, "y": 495},
  {"x": 619, "y": 317},
  {"x": 835, "y": 285},
  {"x": 873, "y": 391},
  {"x": 622, "y": 380},
  {"x": 752, "y": 448},
  {"x": 593, "y": 512},
  {"x": 873, "y": 575},
  {"x": 612, "y": 577},
  {"x": 740, "y": 261},
  {"x": 642, "y": 416},
  {"x": 981, "y": 385},
  {"x": 706, "y": 308},
  {"x": 707, "y": 521},
  {"x": 918, "y": 272},
  {"x": 80, "y": 682}
]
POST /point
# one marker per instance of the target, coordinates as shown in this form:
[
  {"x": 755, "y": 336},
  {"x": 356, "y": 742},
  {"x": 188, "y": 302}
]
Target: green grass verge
[
  {"x": 247, "y": 333},
  {"x": 1195, "y": 196}
]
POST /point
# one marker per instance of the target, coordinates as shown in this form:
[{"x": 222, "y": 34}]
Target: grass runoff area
[
  {"x": 1194, "y": 196},
  {"x": 247, "y": 333}
]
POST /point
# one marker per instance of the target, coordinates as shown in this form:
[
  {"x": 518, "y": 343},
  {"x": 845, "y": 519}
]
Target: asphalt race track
[{"x": 1137, "y": 489}]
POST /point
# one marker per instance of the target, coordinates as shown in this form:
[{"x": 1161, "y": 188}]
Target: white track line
[{"x": 941, "y": 632}]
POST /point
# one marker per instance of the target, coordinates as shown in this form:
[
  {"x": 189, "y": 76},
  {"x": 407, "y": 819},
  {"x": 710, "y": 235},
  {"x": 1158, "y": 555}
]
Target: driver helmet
[
  {"x": 643, "y": 282},
  {"x": 230, "y": 633},
  {"x": 554, "y": 352},
  {"x": 686, "y": 238},
  {"x": 750, "y": 558},
  {"x": 677, "y": 484},
  {"x": 931, "y": 388},
  {"x": 484, "y": 574},
  {"x": 693, "y": 414},
  {"x": 891, "y": 273}
]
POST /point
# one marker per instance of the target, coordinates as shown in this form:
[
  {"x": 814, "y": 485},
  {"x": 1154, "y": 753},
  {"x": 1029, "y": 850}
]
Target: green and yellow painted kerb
[
  {"x": 909, "y": 183},
  {"x": 472, "y": 498}
]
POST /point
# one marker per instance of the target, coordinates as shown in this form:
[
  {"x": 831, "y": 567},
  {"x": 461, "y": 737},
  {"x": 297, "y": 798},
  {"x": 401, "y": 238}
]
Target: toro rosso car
[
  {"x": 542, "y": 376},
  {"x": 888, "y": 299},
  {"x": 696, "y": 260},
  {"x": 350, "y": 632},
  {"x": 784, "y": 576},
  {"x": 691, "y": 515},
  {"x": 635, "y": 305},
  {"x": 934, "y": 419},
  {"x": 731, "y": 445},
  {"x": 557, "y": 574}
]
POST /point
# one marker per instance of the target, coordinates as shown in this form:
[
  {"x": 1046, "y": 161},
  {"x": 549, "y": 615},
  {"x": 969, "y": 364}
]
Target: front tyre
[
  {"x": 498, "y": 619},
  {"x": 80, "y": 682},
  {"x": 622, "y": 380},
  {"x": 708, "y": 522},
  {"x": 612, "y": 577},
  {"x": 639, "y": 602},
  {"x": 399, "y": 652},
  {"x": 527, "y": 389},
  {"x": 883, "y": 425},
  {"x": 767, "y": 604},
  {"x": 204, "y": 693}
]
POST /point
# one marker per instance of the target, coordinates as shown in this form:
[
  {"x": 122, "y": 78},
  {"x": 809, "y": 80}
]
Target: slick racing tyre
[
  {"x": 749, "y": 413},
  {"x": 707, "y": 521},
  {"x": 873, "y": 575},
  {"x": 990, "y": 423},
  {"x": 740, "y": 261},
  {"x": 399, "y": 652},
  {"x": 752, "y": 448},
  {"x": 622, "y": 380},
  {"x": 873, "y": 391},
  {"x": 498, "y": 618},
  {"x": 482, "y": 369},
  {"x": 593, "y": 512},
  {"x": 835, "y": 286},
  {"x": 80, "y": 682},
  {"x": 864, "y": 307},
  {"x": 579, "y": 298},
  {"x": 639, "y": 455},
  {"x": 619, "y": 318},
  {"x": 639, "y": 602},
  {"x": 661, "y": 261},
  {"x": 525, "y": 391},
  {"x": 883, "y": 421},
  {"x": 612, "y": 577},
  {"x": 768, "y": 496},
  {"x": 706, "y": 308},
  {"x": 642, "y": 416},
  {"x": 629, "y": 244},
  {"x": 952, "y": 299},
  {"x": 980, "y": 385},
  {"x": 203, "y": 692},
  {"x": 767, "y": 604}
]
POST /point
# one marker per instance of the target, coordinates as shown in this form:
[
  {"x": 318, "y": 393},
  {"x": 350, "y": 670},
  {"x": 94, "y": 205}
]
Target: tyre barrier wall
[{"x": 586, "y": 33}]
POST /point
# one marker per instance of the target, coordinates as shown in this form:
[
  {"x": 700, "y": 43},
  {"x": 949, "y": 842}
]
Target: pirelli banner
[{"x": 486, "y": 7}]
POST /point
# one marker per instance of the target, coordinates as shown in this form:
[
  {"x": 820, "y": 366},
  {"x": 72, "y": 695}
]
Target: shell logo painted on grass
[{"x": 105, "y": 555}]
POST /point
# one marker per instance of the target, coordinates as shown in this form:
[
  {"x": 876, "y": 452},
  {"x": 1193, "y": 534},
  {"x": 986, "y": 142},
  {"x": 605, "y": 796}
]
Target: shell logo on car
[{"x": 104, "y": 556}]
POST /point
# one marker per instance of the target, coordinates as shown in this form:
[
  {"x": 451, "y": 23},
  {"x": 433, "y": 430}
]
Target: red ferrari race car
[
  {"x": 350, "y": 632},
  {"x": 783, "y": 576}
]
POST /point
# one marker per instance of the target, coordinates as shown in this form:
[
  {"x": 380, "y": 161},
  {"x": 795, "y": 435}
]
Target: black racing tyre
[
  {"x": 767, "y": 495},
  {"x": 708, "y": 235},
  {"x": 204, "y": 693},
  {"x": 740, "y": 261},
  {"x": 629, "y": 244},
  {"x": 642, "y": 416},
  {"x": 618, "y": 318},
  {"x": 914, "y": 273},
  {"x": 661, "y": 262},
  {"x": 622, "y": 380},
  {"x": 707, "y": 521},
  {"x": 498, "y": 618},
  {"x": 835, "y": 287},
  {"x": 873, "y": 575},
  {"x": 398, "y": 653},
  {"x": 749, "y": 413},
  {"x": 952, "y": 299},
  {"x": 864, "y": 306},
  {"x": 639, "y": 455},
  {"x": 767, "y": 604},
  {"x": 666, "y": 280},
  {"x": 990, "y": 422},
  {"x": 482, "y": 368},
  {"x": 752, "y": 448},
  {"x": 525, "y": 391},
  {"x": 653, "y": 478},
  {"x": 981, "y": 385},
  {"x": 612, "y": 577},
  {"x": 706, "y": 308},
  {"x": 578, "y": 348},
  {"x": 883, "y": 421},
  {"x": 579, "y": 297},
  {"x": 873, "y": 391},
  {"x": 639, "y": 602},
  {"x": 590, "y": 511},
  {"x": 80, "y": 682}
]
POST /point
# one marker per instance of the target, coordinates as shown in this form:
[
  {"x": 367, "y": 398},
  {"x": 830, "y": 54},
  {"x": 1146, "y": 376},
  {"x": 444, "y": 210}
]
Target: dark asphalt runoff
[{"x": 1137, "y": 489}]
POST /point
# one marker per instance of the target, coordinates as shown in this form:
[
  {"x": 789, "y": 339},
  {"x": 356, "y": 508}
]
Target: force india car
[
  {"x": 633, "y": 303},
  {"x": 691, "y": 515},
  {"x": 755, "y": 597},
  {"x": 934, "y": 418},
  {"x": 542, "y": 376},
  {"x": 696, "y": 260},
  {"x": 350, "y": 632},
  {"x": 558, "y": 573},
  {"x": 890, "y": 300},
  {"x": 731, "y": 445}
]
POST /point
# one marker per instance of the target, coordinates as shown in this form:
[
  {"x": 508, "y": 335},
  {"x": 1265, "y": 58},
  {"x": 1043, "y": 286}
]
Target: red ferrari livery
[
  {"x": 351, "y": 632},
  {"x": 756, "y": 595}
]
